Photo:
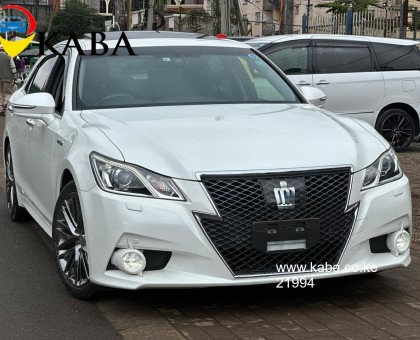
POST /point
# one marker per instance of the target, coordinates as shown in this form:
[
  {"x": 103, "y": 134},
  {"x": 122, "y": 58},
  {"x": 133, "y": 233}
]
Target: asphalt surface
[{"x": 33, "y": 302}]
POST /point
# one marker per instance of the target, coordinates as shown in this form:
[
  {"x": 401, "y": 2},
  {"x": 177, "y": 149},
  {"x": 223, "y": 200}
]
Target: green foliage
[
  {"x": 215, "y": 9},
  {"x": 341, "y": 6},
  {"x": 76, "y": 17},
  {"x": 195, "y": 18},
  {"x": 160, "y": 5}
]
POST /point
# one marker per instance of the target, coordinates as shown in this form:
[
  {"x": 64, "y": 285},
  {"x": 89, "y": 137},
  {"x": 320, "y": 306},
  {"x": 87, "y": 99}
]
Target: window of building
[
  {"x": 257, "y": 18},
  {"x": 102, "y": 7}
]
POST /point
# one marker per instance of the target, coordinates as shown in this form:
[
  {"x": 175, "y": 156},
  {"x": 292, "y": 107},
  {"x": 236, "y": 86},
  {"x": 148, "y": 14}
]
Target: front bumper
[{"x": 154, "y": 224}]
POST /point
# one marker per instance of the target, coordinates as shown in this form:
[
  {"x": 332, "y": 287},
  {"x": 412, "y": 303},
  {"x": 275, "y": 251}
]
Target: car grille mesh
[{"x": 241, "y": 201}]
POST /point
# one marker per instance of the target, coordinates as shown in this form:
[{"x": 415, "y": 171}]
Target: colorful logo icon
[{"x": 17, "y": 24}]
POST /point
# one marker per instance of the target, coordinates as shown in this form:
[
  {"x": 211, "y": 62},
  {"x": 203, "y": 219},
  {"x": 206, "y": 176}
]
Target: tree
[
  {"x": 75, "y": 17},
  {"x": 341, "y": 6},
  {"x": 215, "y": 9},
  {"x": 195, "y": 18}
]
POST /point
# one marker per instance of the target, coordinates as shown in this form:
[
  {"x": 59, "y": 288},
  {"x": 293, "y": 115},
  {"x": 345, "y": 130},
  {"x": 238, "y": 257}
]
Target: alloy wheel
[
  {"x": 397, "y": 130},
  {"x": 70, "y": 242},
  {"x": 10, "y": 182}
]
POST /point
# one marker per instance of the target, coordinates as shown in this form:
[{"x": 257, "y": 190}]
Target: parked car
[
  {"x": 197, "y": 163},
  {"x": 373, "y": 79}
]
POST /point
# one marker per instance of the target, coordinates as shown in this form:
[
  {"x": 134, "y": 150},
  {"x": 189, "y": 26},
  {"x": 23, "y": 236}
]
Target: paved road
[
  {"x": 378, "y": 306},
  {"x": 33, "y": 302}
]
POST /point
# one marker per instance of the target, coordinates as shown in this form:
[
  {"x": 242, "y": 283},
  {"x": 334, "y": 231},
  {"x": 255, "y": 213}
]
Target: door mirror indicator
[
  {"x": 313, "y": 95},
  {"x": 35, "y": 106}
]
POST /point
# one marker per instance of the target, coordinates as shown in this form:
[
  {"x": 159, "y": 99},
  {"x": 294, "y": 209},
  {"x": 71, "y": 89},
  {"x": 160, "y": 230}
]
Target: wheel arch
[
  {"x": 66, "y": 177},
  {"x": 5, "y": 145},
  {"x": 409, "y": 109}
]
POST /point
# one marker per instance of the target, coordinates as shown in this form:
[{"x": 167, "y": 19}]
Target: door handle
[
  {"x": 30, "y": 122},
  {"x": 322, "y": 82},
  {"x": 303, "y": 83}
]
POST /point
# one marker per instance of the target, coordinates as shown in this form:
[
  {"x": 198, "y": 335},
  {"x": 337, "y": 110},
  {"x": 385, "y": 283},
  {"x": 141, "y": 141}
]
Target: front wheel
[
  {"x": 69, "y": 244},
  {"x": 397, "y": 127}
]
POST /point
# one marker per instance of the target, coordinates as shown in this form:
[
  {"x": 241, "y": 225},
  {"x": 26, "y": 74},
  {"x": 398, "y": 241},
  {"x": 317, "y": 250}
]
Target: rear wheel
[
  {"x": 69, "y": 244},
  {"x": 16, "y": 212},
  {"x": 397, "y": 127}
]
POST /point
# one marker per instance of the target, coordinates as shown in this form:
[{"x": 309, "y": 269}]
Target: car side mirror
[
  {"x": 39, "y": 105},
  {"x": 313, "y": 95}
]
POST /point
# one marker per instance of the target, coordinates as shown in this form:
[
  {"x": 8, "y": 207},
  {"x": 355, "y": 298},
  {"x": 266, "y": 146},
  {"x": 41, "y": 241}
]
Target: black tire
[
  {"x": 16, "y": 212},
  {"x": 69, "y": 244},
  {"x": 397, "y": 127}
]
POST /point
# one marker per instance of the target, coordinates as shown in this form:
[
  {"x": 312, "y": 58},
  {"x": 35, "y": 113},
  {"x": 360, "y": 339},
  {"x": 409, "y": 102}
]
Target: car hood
[{"x": 183, "y": 141}]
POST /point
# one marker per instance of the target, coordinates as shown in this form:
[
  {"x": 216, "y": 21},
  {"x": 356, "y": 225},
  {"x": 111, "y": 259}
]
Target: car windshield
[{"x": 179, "y": 76}]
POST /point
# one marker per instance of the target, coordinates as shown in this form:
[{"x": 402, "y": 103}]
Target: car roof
[
  {"x": 289, "y": 37},
  {"x": 152, "y": 35},
  {"x": 153, "y": 38}
]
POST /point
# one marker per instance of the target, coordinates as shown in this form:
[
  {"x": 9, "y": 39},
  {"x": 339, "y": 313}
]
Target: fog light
[
  {"x": 131, "y": 261},
  {"x": 398, "y": 242}
]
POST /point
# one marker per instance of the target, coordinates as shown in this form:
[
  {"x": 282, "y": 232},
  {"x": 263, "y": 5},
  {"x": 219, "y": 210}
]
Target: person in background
[
  {"x": 22, "y": 67},
  {"x": 8, "y": 76},
  {"x": 16, "y": 61}
]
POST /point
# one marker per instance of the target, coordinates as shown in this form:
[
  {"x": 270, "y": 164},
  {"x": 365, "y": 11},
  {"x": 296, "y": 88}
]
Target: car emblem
[{"x": 285, "y": 196}]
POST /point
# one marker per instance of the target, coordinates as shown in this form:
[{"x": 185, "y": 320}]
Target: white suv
[
  {"x": 373, "y": 79},
  {"x": 196, "y": 163}
]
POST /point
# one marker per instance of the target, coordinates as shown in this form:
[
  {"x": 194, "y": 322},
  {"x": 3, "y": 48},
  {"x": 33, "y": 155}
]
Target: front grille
[{"x": 243, "y": 200}]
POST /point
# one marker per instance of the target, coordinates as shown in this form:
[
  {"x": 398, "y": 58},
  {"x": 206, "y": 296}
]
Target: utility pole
[
  {"x": 239, "y": 17},
  {"x": 307, "y": 16},
  {"x": 150, "y": 15},
  {"x": 129, "y": 16},
  {"x": 288, "y": 21},
  {"x": 36, "y": 9},
  {"x": 224, "y": 17}
]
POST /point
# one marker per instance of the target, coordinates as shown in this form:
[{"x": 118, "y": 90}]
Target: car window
[
  {"x": 41, "y": 75},
  {"x": 397, "y": 57},
  {"x": 292, "y": 58},
  {"x": 338, "y": 57},
  {"x": 54, "y": 85},
  {"x": 179, "y": 76}
]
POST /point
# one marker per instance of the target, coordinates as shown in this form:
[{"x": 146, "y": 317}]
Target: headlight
[
  {"x": 385, "y": 169},
  {"x": 123, "y": 178}
]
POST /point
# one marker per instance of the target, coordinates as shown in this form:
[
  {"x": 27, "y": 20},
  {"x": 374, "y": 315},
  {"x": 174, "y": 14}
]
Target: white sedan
[{"x": 195, "y": 163}]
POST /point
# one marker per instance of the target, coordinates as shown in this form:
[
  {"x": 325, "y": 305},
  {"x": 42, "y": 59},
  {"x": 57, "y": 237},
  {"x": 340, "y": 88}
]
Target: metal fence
[{"x": 374, "y": 22}]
